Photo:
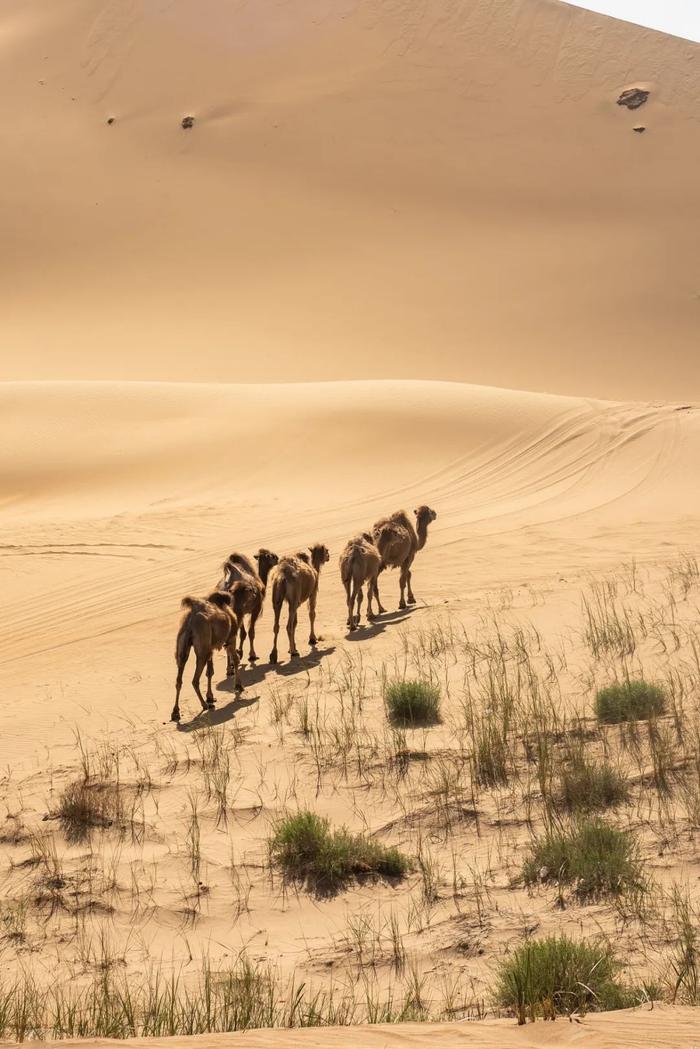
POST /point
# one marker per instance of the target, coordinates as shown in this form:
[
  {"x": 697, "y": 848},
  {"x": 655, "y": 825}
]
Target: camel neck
[{"x": 422, "y": 533}]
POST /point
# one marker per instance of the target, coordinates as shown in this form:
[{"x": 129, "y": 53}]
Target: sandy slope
[
  {"x": 660, "y": 1028},
  {"x": 120, "y": 498},
  {"x": 371, "y": 189}
]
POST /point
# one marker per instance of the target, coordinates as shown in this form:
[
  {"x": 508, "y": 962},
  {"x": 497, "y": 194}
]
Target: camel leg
[
  {"x": 350, "y": 602},
  {"x": 175, "y": 716},
  {"x": 411, "y": 598},
  {"x": 242, "y": 637},
  {"x": 312, "y": 619},
  {"x": 252, "y": 656},
  {"x": 359, "y": 605},
  {"x": 402, "y": 584},
  {"x": 370, "y": 593},
  {"x": 210, "y": 675},
  {"x": 277, "y": 605},
  {"x": 201, "y": 663},
  {"x": 380, "y": 607},
  {"x": 236, "y": 666},
  {"x": 291, "y": 631}
]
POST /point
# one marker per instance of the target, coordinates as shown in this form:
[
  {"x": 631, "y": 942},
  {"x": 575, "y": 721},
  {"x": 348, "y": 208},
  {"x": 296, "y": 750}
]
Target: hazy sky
[{"x": 680, "y": 17}]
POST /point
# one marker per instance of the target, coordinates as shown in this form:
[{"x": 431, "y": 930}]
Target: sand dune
[
  {"x": 401, "y": 190},
  {"x": 118, "y": 491}
]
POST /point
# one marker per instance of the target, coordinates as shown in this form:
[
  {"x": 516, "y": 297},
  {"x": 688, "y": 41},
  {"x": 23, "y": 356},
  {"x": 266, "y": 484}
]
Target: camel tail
[
  {"x": 280, "y": 587},
  {"x": 354, "y": 569},
  {"x": 183, "y": 643}
]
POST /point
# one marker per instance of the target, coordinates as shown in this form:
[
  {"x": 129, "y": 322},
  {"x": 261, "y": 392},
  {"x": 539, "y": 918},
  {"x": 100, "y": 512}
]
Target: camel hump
[
  {"x": 220, "y": 598},
  {"x": 401, "y": 518},
  {"x": 242, "y": 586},
  {"x": 190, "y": 602}
]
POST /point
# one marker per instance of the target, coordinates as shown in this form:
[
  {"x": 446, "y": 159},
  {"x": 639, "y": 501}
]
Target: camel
[
  {"x": 209, "y": 623},
  {"x": 398, "y": 543},
  {"x": 239, "y": 568},
  {"x": 295, "y": 580},
  {"x": 359, "y": 564}
]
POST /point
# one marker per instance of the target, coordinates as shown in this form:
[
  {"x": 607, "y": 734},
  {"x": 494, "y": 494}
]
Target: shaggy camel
[
  {"x": 239, "y": 568},
  {"x": 359, "y": 564},
  {"x": 208, "y": 624},
  {"x": 398, "y": 543},
  {"x": 295, "y": 580}
]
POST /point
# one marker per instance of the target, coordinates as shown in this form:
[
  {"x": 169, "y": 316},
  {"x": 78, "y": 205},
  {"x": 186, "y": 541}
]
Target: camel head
[
  {"x": 319, "y": 555},
  {"x": 424, "y": 515},
  {"x": 266, "y": 560}
]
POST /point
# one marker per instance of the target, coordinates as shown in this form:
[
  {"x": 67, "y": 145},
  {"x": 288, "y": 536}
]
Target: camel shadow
[
  {"x": 379, "y": 624},
  {"x": 216, "y": 715},
  {"x": 301, "y": 663}
]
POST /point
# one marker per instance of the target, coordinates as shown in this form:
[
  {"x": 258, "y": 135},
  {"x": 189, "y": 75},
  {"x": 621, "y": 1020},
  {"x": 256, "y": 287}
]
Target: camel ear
[{"x": 256, "y": 556}]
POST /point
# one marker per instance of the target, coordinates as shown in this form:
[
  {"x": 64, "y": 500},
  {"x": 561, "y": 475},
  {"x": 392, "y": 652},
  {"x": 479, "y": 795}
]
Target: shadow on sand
[
  {"x": 217, "y": 715},
  {"x": 378, "y": 625}
]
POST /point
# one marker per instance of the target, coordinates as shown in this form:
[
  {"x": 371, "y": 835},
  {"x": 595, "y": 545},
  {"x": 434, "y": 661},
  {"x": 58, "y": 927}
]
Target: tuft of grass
[
  {"x": 84, "y": 806},
  {"x": 307, "y": 849},
  {"x": 590, "y": 786},
  {"x": 629, "y": 701},
  {"x": 598, "y": 860},
  {"x": 412, "y": 703},
  {"x": 559, "y": 976}
]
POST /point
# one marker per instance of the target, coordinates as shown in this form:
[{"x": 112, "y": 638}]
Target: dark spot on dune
[
  {"x": 187, "y": 122},
  {"x": 633, "y": 97},
  {"x": 639, "y": 128},
  {"x": 110, "y": 120}
]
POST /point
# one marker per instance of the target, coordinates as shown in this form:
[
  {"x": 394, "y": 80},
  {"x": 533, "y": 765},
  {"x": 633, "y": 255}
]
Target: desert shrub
[
  {"x": 412, "y": 703},
  {"x": 83, "y": 806},
  {"x": 558, "y": 975},
  {"x": 629, "y": 701},
  {"x": 598, "y": 860},
  {"x": 588, "y": 786},
  {"x": 306, "y": 848}
]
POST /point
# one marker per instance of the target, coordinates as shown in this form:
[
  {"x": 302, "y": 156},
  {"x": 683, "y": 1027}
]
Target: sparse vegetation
[
  {"x": 306, "y": 848},
  {"x": 84, "y": 806},
  {"x": 560, "y": 976},
  {"x": 629, "y": 701},
  {"x": 412, "y": 703},
  {"x": 587, "y": 785},
  {"x": 518, "y": 755},
  {"x": 598, "y": 860}
]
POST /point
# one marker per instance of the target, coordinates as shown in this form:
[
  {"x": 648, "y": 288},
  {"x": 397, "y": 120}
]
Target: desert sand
[
  {"x": 407, "y": 253},
  {"x": 369, "y": 189}
]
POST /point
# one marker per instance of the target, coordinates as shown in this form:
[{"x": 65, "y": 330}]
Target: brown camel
[
  {"x": 239, "y": 568},
  {"x": 398, "y": 543},
  {"x": 209, "y": 623},
  {"x": 359, "y": 564},
  {"x": 295, "y": 580}
]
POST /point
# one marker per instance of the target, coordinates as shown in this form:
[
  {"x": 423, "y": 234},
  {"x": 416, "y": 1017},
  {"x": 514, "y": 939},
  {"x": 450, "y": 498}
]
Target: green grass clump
[
  {"x": 629, "y": 701},
  {"x": 306, "y": 848},
  {"x": 590, "y": 786},
  {"x": 558, "y": 976},
  {"x": 596, "y": 859},
  {"x": 412, "y": 703}
]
